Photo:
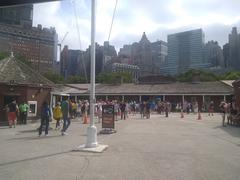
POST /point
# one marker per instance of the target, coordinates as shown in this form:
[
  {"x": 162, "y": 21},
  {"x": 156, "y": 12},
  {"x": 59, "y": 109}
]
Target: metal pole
[
  {"x": 92, "y": 130},
  {"x": 92, "y": 90}
]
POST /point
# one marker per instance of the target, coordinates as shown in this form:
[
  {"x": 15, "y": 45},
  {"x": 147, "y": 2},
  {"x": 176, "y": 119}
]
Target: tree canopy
[
  {"x": 54, "y": 77},
  {"x": 233, "y": 75},
  {"x": 59, "y": 79},
  {"x": 198, "y": 75},
  {"x": 3, "y": 55},
  {"x": 114, "y": 78}
]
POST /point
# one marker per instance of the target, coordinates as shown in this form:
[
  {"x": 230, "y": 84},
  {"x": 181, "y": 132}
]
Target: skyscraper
[
  {"x": 36, "y": 45},
  {"x": 213, "y": 54},
  {"x": 159, "y": 55},
  {"x": 185, "y": 51},
  {"x": 20, "y": 16},
  {"x": 234, "y": 49},
  {"x": 226, "y": 55},
  {"x": 141, "y": 55},
  {"x": 148, "y": 56}
]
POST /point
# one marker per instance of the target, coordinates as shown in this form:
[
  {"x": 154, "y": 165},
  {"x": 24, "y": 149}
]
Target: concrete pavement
[{"x": 149, "y": 149}]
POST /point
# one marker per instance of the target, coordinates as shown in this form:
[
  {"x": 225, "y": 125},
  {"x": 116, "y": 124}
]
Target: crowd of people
[{"x": 66, "y": 110}]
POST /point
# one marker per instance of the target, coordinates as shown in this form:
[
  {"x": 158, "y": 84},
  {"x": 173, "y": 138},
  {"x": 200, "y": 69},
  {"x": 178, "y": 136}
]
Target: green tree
[
  {"x": 75, "y": 80},
  {"x": 3, "y": 55},
  {"x": 233, "y": 75},
  {"x": 56, "y": 78},
  {"x": 198, "y": 74},
  {"x": 114, "y": 78}
]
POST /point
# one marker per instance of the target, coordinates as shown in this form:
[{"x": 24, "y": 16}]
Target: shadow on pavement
[
  {"x": 232, "y": 130},
  {"x": 35, "y": 137},
  {"x": 4, "y": 127},
  {"x": 28, "y": 131},
  {"x": 33, "y": 158}
]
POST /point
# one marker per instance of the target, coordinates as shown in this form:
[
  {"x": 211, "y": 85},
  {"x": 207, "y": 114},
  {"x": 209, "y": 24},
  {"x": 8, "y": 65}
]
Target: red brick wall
[{"x": 23, "y": 93}]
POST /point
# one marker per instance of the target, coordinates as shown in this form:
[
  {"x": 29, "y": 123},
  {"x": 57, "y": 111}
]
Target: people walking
[
  {"x": 23, "y": 109},
  {"x": 167, "y": 108},
  {"x": 79, "y": 104},
  {"x": 195, "y": 107},
  {"x": 116, "y": 109},
  {"x": 57, "y": 115},
  {"x": 45, "y": 117},
  {"x": 12, "y": 111},
  {"x": 223, "y": 110},
  {"x": 123, "y": 110},
  {"x": 65, "y": 115},
  {"x": 141, "y": 109},
  {"x": 84, "y": 110},
  {"x": 99, "y": 111},
  {"x": 211, "y": 108},
  {"x": 74, "y": 109},
  {"x": 148, "y": 107}
]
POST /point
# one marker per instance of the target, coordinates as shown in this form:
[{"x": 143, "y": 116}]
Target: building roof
[
  {"x": 228, "y": 82},
  {"x": 202, "y": 88},
  {"x": 144, "y": 39},
  {"x": 170, "y": 88},
  {"x": 63, "y": 90},
  {"x": 13, "y": 70}
]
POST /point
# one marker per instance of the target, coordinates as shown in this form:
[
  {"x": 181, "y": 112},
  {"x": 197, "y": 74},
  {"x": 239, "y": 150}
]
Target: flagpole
[
  {"x": 91, "y": 144},
  {"x": 92, "y": 130}
]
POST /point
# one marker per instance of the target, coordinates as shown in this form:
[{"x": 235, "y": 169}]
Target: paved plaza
[{"x": 142, "y": 149}]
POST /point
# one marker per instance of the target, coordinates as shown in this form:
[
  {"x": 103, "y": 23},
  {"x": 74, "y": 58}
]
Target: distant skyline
[{"x": 132, "y": 18}]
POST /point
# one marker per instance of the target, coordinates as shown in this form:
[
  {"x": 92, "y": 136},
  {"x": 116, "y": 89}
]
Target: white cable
[
  {"x": 110, "y": 31},
  {"x": 79, "y": 39}
]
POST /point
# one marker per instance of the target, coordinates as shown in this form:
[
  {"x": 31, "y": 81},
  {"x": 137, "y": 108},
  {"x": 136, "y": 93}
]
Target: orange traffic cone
[
  {"x": 199, "y": 116},
  {"x": 182, "y": 115}
]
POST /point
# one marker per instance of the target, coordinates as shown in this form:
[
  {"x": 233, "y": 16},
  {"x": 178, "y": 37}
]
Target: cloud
[{"x": 156, "y": 18}]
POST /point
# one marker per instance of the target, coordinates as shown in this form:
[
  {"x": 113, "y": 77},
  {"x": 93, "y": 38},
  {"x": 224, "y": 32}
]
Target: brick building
[
  {"x": 37, "y": 45},
  {"x": 21, "y": 83}
]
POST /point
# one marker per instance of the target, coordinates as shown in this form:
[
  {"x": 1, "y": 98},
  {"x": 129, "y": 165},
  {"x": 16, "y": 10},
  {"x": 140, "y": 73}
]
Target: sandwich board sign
[{"x": 108, "y": 119}]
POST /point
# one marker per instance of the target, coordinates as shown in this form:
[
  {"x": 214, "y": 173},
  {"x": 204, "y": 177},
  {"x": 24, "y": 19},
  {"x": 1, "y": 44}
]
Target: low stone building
[{"x": 21, "y": 83}]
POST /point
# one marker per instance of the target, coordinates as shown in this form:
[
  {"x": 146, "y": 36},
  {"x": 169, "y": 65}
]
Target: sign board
[{"x": 108, "y": 116}]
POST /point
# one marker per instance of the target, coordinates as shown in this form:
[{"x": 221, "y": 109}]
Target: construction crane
[
  {"x": 64, "y": 71},
  {"x": 60, "y": 44}
]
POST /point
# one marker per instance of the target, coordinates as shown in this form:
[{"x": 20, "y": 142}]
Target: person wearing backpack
[
  {"x": 45, "y": 117},
  {"x": 65, "y": 113}
]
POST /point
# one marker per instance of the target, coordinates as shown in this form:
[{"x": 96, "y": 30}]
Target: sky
[{"x": 157, "y": 18}]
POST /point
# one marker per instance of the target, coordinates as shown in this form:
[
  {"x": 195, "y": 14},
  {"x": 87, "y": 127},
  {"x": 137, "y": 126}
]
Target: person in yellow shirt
[
  {"x": 57, "y": 115},
  {"x": 74, "y": 109}
]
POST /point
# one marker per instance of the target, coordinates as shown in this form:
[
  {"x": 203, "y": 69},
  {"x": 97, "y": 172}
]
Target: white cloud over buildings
[{"x": 156, "y": 18}]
